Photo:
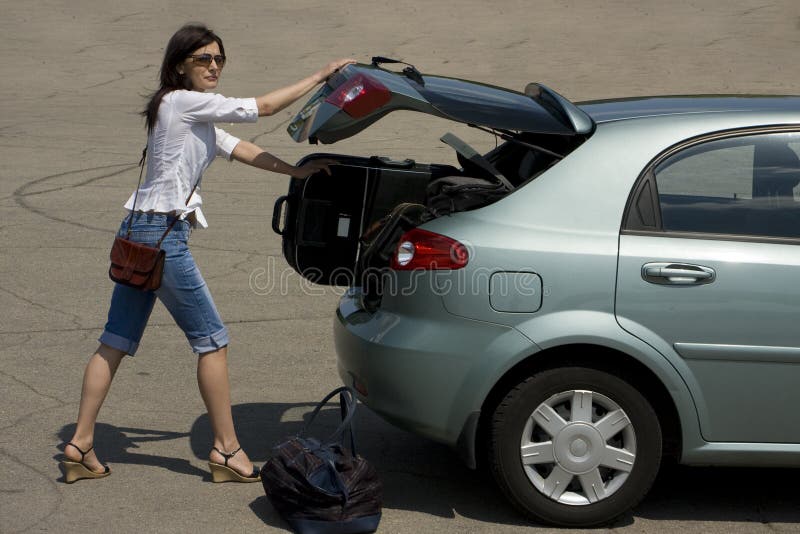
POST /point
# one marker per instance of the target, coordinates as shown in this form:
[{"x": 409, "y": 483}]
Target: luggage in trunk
[{"x": 325, "y": 216}]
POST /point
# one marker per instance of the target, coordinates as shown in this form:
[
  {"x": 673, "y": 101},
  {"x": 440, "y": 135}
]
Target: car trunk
[
  {"x": 326, "y": 221},
  {"x": 325, "y": 216}
]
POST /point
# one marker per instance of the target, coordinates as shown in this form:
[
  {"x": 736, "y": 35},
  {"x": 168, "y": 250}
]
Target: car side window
[{"x": 747, "y": 185}]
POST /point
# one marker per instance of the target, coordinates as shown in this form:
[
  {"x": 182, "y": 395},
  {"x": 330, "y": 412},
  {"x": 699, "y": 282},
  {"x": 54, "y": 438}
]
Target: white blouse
[{"x": 183, "y": 144}]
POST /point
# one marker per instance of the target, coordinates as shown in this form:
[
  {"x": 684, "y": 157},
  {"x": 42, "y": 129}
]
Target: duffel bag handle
[{"x": 347, "y": 403}]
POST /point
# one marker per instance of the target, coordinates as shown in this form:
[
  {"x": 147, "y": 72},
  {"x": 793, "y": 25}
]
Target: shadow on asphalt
[
  {"x": 426, "y": 477},
  {"x": 735, "y": 494},
  {"x": 116, "y": 443}
]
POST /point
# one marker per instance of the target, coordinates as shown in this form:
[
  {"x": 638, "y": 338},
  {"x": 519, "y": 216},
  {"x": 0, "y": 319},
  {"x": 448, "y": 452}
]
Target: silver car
[{"x": 617, "y": 283}]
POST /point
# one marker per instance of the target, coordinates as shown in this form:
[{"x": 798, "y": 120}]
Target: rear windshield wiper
[{"x": 410, "y": 70}]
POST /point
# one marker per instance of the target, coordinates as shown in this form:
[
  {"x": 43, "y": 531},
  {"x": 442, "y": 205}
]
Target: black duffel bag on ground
[{"x": 323, "y": 487}]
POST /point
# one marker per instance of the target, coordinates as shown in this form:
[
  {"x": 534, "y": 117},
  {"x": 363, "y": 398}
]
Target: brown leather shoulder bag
[{"x": 135, "y": 264}]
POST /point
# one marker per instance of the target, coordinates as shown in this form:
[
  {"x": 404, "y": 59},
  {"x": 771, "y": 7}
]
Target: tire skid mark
[
  {"x": 80, "y": 184},
  {"x": 279, "y": 319},
  {"x": 54, "y": 491},
  {"x": 28, "y": 337},
  {"x": 53, "y": 330},
  {"x": 249, "y": 256},
  {"x": 31, "y": 388},
  {"x": 754, "y": 9},
  {"x": 121, "y": 74},
  {"x": 21, "y": 193},
  {"x": 20, "y": 197},
  {"x": 271, "y": 131},
  {"x": 217, "y": 249},
  {"x": 98, "y": 328},
  {"x": 238, "y": 265},
  {"x": 514, "y": 44},
  {"x": 89, "y": 47},
  {"x": 75, "y": 319},
  {"x": 49, "y": 247},
  {"x": 121, "y": 17},
  {"x": 27, "y": 415}
]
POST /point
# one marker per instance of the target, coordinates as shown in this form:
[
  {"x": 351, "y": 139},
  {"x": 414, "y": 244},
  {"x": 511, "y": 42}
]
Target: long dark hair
[{"x": 185, "y": 41}]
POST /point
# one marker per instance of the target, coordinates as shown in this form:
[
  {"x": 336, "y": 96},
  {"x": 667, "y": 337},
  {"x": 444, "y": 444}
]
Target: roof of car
[{"x": 655, "y": 106}]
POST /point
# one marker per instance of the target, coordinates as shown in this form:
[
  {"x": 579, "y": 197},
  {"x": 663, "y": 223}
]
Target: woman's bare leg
[
  {"x": 96, "y": 381},
  {"x": 212, "y": 377}
]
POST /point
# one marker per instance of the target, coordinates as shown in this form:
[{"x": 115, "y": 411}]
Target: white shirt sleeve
[
  {"x": 210, "y": 107},
  {"x": 225, "y": 143}
]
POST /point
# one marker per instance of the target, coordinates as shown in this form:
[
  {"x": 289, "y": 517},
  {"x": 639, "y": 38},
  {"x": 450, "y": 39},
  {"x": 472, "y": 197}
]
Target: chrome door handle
[{"x": 677, "y": 274}]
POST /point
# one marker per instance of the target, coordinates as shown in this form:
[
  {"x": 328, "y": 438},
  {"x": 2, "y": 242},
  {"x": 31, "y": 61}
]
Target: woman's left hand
[
  {"x": 332, "y": 67},
  {"x": 314, "y": 166}
]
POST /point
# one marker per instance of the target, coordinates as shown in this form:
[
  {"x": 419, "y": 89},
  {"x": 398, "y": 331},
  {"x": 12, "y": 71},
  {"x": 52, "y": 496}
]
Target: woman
[{"x": 182, "y": 141}]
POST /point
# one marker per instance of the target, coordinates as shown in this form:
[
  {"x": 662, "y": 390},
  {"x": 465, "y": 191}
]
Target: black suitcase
[{"x": 323, "y": 217}]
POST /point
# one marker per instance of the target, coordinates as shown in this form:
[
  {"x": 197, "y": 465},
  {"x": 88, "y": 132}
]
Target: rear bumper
[{"x": 426, "y": 371}]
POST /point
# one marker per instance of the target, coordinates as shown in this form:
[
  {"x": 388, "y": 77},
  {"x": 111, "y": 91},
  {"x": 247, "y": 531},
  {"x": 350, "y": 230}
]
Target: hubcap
[{"x": 578, "y": 447}]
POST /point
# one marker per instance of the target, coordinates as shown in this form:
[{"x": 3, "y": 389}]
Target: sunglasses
[{"x": 205, "y": 60}]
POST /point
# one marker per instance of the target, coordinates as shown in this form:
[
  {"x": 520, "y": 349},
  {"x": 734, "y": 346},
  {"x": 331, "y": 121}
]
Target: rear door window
[{"x": 747, "y": 185}]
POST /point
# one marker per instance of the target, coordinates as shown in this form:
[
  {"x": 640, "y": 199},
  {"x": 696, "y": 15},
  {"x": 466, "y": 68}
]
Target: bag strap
[
  {"x": 347, "y": 407},
  {"x": 136, "y": 196}
]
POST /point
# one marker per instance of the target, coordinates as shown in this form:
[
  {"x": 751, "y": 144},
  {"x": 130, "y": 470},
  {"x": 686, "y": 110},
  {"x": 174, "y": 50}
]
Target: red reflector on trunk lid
[{"x": 360, "y": 96}]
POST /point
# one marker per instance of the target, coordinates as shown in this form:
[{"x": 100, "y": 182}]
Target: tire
[{"x": 591, "y": 443}]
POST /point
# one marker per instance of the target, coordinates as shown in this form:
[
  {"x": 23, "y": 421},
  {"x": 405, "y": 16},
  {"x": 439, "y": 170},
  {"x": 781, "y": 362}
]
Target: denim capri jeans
[{"x": 183, "y": 292}]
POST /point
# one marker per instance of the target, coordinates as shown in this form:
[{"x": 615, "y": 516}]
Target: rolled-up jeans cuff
[
  {"x": 118, "y": 342},
  {"x": 215, "y": 341}
]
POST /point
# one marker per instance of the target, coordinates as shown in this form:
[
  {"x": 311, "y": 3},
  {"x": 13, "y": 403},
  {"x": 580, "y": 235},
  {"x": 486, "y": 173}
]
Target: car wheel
[{"x": 574, "y": 446}]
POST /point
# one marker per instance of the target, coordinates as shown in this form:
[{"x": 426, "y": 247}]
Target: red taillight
[
  {"x": 420, "y": 249},
  {"x": 360, "y": 96}
]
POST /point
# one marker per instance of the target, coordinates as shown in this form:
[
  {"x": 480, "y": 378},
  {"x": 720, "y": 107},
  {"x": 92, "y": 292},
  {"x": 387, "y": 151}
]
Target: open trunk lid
[{"x": 359, "y": 95}]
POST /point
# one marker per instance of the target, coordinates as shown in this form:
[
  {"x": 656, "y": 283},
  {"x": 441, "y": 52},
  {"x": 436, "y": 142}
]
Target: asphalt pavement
[{"x": 73, "y": 80}]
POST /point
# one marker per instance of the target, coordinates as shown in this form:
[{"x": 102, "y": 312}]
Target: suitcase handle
[
  {"x": 394, "y": 163},
  {"x": 276, "y": 214}
]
